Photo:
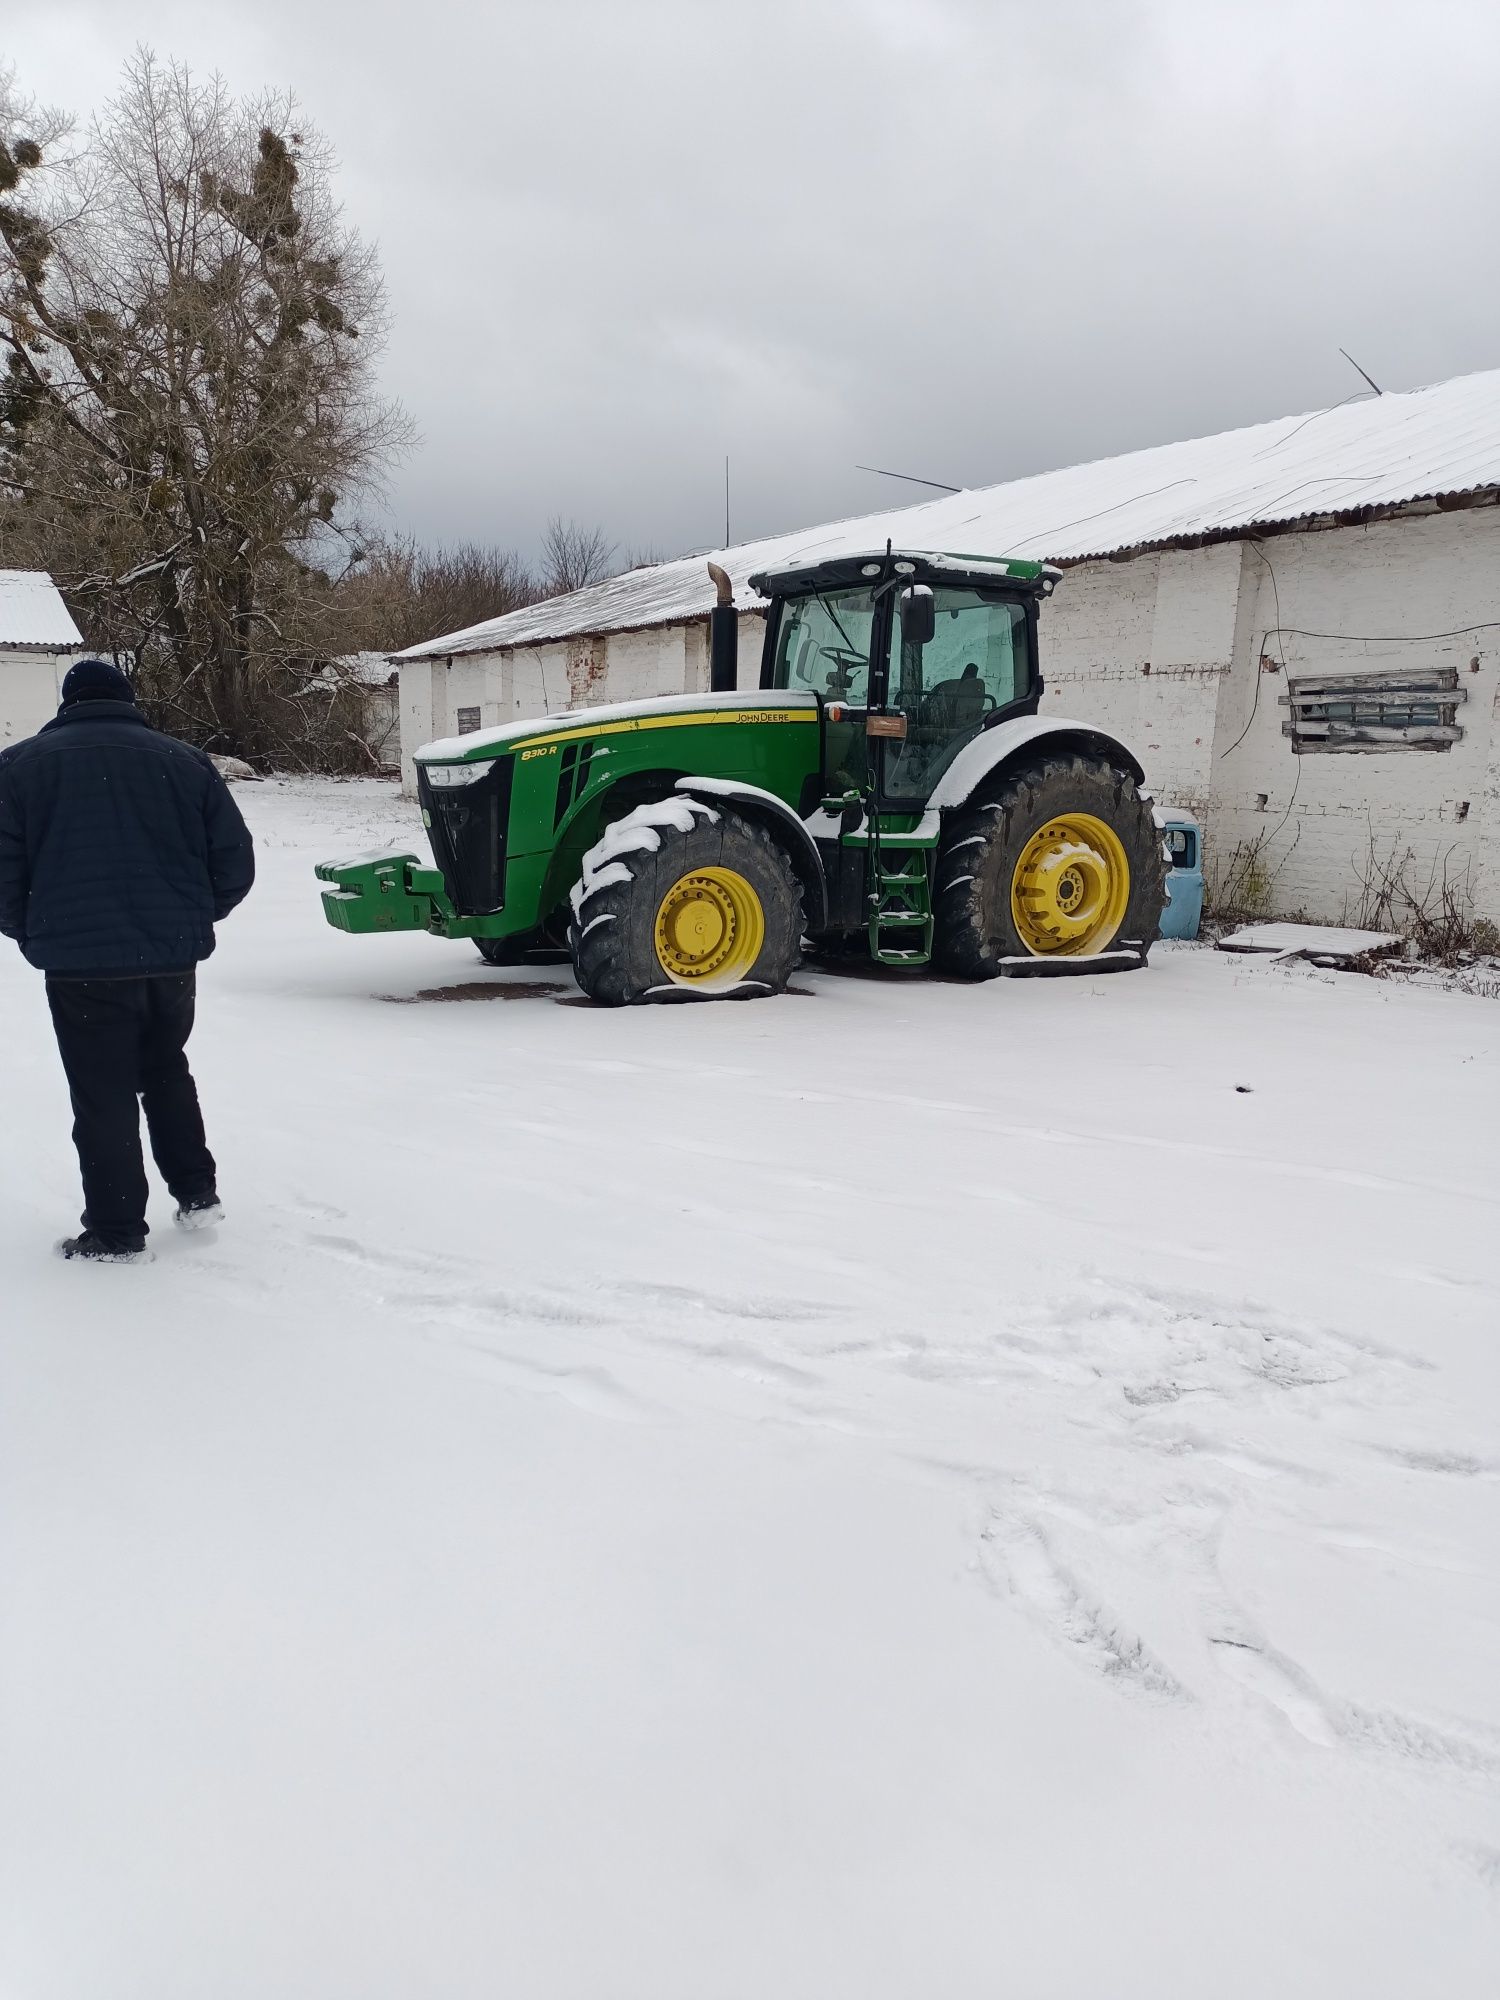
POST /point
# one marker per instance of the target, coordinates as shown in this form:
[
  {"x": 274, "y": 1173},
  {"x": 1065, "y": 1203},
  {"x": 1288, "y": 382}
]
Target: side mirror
[{"x": 918, "y": 614}]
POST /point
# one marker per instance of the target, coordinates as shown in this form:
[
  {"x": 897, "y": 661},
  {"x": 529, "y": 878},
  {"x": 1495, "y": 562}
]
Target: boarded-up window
[
  {"x": 1416, "y": 710},
  {"x": 468, "y": 721}
]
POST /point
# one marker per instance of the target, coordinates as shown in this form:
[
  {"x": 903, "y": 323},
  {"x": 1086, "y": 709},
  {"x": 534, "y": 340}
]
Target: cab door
[{"x": 977, "y": 664}]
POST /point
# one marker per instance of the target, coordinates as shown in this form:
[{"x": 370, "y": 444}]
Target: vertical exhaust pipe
[{"x": 723, "y": 635}]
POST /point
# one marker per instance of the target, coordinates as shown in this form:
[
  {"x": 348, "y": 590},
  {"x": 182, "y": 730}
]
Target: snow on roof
[
  {"x": 371, "y": 669},
  {"x": 367, "y": 670},
  {"x": 32, "y": 614},
  {"x": 1377, "y": 452}
]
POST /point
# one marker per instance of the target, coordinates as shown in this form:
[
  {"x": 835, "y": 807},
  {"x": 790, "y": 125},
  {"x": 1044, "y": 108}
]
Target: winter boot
[
  {"x": 88, "y": 1249},
  {"x": 204, "y": 1211}
]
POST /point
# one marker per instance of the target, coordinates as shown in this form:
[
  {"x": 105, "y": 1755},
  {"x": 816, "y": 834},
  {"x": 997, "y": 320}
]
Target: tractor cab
[{"x": 910, "y": 655}]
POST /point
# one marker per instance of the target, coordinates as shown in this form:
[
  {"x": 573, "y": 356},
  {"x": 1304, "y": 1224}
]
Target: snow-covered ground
[{"x": 900, "y": 1490}]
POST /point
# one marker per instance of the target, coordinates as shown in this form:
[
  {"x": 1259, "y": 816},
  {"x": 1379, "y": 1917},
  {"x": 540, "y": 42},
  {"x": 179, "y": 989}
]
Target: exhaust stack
[{"x": 723, "y": 635}]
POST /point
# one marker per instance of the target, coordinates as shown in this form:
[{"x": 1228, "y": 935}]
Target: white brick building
[
  {"x": 38, "y": 643},
  {"x": 1296, "y": 626}
]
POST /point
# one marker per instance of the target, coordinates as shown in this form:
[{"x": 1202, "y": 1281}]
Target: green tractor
[{"x": 891, "y": 789}]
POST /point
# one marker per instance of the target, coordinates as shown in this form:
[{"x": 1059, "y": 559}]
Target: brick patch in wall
[{"x": 586, "y": 659}]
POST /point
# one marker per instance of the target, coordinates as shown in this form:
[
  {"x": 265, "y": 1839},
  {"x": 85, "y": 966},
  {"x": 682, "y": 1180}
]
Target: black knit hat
[{"x": 95, "y": 680}]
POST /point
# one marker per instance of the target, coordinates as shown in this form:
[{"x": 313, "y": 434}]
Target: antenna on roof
[
  {"x": 1360, "y": 371},
  {"x": 726, "y": 499},
  {"x": 910, "y": 478}
]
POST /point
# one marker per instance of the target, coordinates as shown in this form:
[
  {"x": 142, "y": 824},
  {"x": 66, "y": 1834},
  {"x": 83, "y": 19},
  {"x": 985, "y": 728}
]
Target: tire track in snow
[
  {"x": 1116, "y": 1363},
  {"x": 1463, "y": 1748},
  {"x": 1112, "y": 1362},
  {"x": 1182, "y": 1533},
  {"x": 1019, "y": 1562}
]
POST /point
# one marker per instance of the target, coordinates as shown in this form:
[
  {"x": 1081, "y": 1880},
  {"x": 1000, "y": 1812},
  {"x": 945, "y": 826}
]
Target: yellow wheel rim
[
  {"x": 709, "y": 929},
  {"x": 1071, "y": 887}
]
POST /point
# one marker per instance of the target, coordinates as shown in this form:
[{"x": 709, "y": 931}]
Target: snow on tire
[{"x": 681, "y": 900}]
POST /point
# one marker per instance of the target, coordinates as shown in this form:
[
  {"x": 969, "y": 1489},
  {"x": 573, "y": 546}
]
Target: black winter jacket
[{"x": 119, "y": 847}]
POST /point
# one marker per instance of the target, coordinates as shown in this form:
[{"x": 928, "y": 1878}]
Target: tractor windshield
[
  {"x": 975, "y": 663},
  {"x": 823, "y": 643}
]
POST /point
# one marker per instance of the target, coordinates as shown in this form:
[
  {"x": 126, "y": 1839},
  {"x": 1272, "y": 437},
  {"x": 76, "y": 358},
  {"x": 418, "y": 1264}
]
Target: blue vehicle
[{"x": 1184, "y": 843}]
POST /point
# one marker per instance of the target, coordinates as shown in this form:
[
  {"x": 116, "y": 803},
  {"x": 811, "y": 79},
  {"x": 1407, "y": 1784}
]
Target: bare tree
[
  {"x": 573, "y": 557},
  {"x": 404, "y": 593},
  {"x": 188, "y": 410}
]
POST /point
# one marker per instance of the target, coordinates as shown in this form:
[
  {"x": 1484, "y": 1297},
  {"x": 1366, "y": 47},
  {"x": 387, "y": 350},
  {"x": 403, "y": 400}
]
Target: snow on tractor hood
[{"x": 667, "y": 710}]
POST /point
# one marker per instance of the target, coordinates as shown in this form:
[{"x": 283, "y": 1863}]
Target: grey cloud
[{"x": 967, "y": 240}]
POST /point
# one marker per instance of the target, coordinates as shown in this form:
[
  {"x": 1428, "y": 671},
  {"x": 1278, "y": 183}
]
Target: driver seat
[{"x": 953, "y": 707}]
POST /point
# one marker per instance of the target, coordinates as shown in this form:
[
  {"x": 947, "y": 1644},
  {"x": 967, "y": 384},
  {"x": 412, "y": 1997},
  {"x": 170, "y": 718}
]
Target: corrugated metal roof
[
  {"x": 1378, "y": 452},
  {"x": 33, "y": 616}
]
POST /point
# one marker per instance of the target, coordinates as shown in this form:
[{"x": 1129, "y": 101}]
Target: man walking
[{"x": 120, "y": 848}]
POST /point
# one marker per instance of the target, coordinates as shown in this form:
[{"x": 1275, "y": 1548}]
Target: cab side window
[{"x": 975, "y": 663}]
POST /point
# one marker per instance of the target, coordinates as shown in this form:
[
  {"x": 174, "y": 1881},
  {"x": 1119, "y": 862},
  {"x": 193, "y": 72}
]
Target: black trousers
[{"x": 123, "y": 1040}]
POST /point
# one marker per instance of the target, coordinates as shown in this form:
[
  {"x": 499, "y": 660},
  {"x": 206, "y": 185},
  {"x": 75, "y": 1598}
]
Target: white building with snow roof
[
  {"x": 1295, "y": 625},
  {"x": 38, "y": 643}
]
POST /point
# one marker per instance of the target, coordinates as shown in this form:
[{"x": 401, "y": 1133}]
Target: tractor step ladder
[{"x": 900, "y": 901}]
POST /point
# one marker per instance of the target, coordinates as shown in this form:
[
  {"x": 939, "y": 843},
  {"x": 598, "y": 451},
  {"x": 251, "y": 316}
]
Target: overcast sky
[{"x": 963, "y": 238}]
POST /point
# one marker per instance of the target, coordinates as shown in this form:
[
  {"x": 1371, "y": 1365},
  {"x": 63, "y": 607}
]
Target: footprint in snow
[
  {"x": 351, "y": 1251},
  {"x": 1481, "y": 1859},
  {"x": 782, "y": 1310},
  {"x": 588, "y": 1388},
  {"x": 1455, "y": 1464},
  {"x": 302, "y": 1204},
  {"x": 478, "y": 1308}
]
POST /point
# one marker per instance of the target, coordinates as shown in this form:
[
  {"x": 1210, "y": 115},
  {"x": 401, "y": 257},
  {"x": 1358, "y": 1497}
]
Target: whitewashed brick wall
[
  {"x": 1207, "y": 720},
  {"x": 30, "y": 689},
  {"x": 1139, "y": 648},
  {"x": 1332, "y": 817}
]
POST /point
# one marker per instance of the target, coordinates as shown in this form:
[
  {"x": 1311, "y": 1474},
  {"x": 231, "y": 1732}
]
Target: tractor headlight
[{"x": 443, "y": 776}]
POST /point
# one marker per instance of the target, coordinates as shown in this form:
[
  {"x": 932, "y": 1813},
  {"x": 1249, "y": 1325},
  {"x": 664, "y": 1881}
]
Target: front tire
[
  {"x": 1063, "y": 859},
  {"x": 680, "y": 900}
]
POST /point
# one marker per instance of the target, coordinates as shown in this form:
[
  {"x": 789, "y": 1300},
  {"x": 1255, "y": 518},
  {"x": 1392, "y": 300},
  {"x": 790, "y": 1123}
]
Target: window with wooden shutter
[{"x": 1415, "y": 710}]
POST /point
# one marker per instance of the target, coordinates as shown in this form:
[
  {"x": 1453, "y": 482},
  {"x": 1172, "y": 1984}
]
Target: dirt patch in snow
[{"x": 482, "y": 989}]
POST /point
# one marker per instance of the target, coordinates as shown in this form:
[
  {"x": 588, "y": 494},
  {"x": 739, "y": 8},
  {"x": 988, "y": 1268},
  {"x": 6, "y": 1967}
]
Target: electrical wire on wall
[
  {"x": 541, "y": 668},
  {"x": 1382, "y": 638},
  {"x": 1259, "y": 652},
  {"x": 1278, "y": 631},
  {"x": 1265, "y": 638}
]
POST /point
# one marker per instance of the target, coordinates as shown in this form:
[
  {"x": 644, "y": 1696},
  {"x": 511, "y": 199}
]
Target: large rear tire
[
  {"x": 1063, "y": 858},
  {"x": 680, "y": 900}
]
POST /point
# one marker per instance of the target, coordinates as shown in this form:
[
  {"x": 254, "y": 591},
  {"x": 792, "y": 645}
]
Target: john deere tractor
[{"x": 890, "y": 789}]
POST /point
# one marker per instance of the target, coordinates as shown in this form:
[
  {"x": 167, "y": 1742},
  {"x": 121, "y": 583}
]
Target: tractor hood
[{"x": 664, "y": 712}]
